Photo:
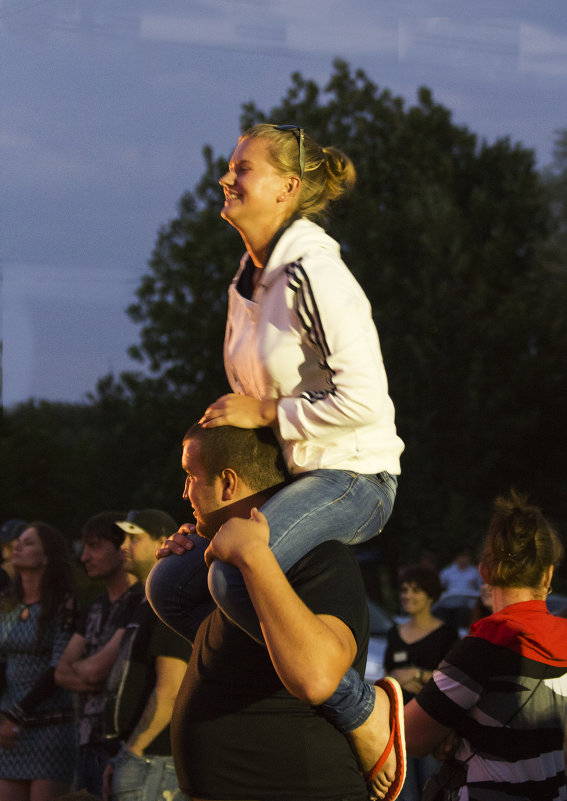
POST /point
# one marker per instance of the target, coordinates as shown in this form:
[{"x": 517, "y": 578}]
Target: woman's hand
[
  {"x": 240, "y": 411},
  {"x": 410, "y": 678},
  {"x": 9, "y": 733}
]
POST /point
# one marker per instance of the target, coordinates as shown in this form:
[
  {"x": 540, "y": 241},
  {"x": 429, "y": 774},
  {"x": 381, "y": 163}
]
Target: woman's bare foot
[{"x": 371, "y": 739}]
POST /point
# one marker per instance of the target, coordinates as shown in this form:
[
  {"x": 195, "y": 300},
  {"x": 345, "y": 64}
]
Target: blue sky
[{"x": 105, "y": 106}]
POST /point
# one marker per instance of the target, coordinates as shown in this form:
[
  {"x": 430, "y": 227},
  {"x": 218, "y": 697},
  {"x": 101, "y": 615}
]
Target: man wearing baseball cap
[
  {"x": 143, "y": 683},
  {"x": 9, "y": 533}
]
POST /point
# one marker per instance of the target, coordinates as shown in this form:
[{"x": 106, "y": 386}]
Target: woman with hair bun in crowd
[
  {"x": 302, "y": 356},
  {"x": 37, "y": 729},
  {"x": 503, "y": 689}
]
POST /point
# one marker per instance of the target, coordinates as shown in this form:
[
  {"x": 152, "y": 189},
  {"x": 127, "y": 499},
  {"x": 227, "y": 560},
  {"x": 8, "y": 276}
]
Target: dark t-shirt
[
  {"x": 425, "y": 653},
  {"x": 236, "y": 731},
  {"x": 98, "y": 625},
  {"x": 133, "y": 677}
]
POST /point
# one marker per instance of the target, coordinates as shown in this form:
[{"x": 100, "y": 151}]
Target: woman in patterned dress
[{"x": 37, "y": 730}]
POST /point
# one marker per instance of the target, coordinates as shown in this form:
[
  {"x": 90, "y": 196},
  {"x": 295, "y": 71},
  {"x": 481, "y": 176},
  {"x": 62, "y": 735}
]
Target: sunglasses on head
[{"x": 297, "y": 131}]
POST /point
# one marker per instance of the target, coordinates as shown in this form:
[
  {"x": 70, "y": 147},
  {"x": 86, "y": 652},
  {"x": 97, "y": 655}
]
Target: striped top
[{"x": 503, "y": 689}]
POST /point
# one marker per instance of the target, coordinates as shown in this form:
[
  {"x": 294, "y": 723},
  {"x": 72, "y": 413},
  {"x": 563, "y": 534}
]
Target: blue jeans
[
  {"x": 91, "y": 762},
  {"x": 178, "y": 590},
  {"x": 144, "y": 778},
  {"x": 418, "y": 772},
  {"x": 316, "y": 507}
]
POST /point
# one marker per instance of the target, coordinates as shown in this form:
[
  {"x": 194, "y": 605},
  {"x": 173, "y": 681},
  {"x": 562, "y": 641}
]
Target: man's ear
[{"x": 229, "y": 482}]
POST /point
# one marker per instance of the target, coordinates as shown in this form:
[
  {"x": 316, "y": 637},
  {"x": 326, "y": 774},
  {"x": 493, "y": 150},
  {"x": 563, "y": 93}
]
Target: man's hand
[
  {"x": 178, "y": 543},
  {"x": 446, "y": 749},
  {"x": 240, "y": 411},
  {"x": 107, "y": 783},
  {"x": 237, "y": 538}
]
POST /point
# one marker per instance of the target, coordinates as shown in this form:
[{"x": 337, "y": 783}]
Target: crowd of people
[
  {"x": 232, "y": 669},
  {"x": 88, "y": 689}
]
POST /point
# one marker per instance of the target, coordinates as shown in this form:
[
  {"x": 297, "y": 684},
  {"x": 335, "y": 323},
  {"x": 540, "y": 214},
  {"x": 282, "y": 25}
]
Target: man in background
[
  {"x": 143, "y": 684},
  {"x": 93, "y": 648},
  {"x": 9, "y": 533}
]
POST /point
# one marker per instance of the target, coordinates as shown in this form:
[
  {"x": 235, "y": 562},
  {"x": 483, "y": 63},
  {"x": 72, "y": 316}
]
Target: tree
[
  {"x": 450, "y": 238},
  {"x": 64, "y": 462},
  {"x": 444, "y": 233},
  {"x": 555, "y": 181}
]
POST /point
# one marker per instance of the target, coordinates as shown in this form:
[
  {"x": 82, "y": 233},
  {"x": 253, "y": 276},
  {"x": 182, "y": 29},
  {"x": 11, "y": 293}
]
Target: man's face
[
  {"x": 101, "y": 558},
  {"x": 6, "y": 551},
  {"x": 203, "y": 492},
  {"x": 139, "y": 552}
]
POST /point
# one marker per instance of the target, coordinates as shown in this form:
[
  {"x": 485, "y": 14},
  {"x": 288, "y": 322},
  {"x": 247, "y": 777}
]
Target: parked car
[
  {"x": 455, "y": 610},
  {"x": 381, "y": 622},
  {"x": 557, "y": 603}
]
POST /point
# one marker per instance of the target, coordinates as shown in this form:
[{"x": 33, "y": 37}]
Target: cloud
[
  {"x": 63, "y": 328},
  {"x": 295, "y": 26},
  {"x": 542, "y": 51},
  {"x": 484, "y": 43}
]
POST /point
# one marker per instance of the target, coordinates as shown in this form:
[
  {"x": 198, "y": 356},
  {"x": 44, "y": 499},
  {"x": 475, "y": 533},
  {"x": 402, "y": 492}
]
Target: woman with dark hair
[
  {"x": 503, "y": 689},
  {"x": 415, "y": 648},
  {"x": 37, "y": 730}
]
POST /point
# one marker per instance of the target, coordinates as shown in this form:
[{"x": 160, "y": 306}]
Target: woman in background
[
  {"x": 37, "y": 730},
  {"x": 503, "y": 689},
  {"x": 415, "y": 648}
]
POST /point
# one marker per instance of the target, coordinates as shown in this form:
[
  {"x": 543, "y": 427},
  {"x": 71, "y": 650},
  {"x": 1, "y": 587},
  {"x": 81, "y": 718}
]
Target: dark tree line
[{"x": 459, "y": 245}]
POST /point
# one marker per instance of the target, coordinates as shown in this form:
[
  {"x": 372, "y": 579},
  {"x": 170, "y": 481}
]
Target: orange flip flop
[{"x": 396, "y": 740}]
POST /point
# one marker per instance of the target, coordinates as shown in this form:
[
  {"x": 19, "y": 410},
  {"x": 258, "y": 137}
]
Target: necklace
[{"x": 25, "y": 610}]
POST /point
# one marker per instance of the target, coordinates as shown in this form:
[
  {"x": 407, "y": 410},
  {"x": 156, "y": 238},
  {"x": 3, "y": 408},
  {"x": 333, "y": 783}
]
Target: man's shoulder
[
  {"x": 153, "y": 637},
  {"x": 332, "y": 561},
  {"x": 134, "y": 594},
  {"x": 328, "y": 580},
  {"x": 95, "y": 604},
  {"x": 331, "y": 551}
]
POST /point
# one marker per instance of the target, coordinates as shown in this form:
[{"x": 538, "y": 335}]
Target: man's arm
[
  {"x": 95, "y": 669},
  {"x": 65, "y": 675},
  {"x": 157, "y": 712},
  {"x": 87, "y": 674},
  {"x": 310, "y": 652}
]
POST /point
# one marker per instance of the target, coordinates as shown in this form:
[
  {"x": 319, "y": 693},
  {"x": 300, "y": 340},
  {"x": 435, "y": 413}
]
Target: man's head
[
  {"x": 9, "y": 533},
  {"x": 464, "y": 557},
  {"x": 102, "y": 539},
  {"x": 143, "y": 532},
  {"x": 226, "y": 469}
]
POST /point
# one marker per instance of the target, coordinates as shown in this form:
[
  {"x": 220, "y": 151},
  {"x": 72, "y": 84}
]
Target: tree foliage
[
  {"x": 450, "y": 238},
  {"x": 444, "y": 233}
]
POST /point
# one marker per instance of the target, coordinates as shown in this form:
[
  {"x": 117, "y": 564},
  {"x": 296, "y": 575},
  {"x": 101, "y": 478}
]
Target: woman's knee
[
  {"x": 162, "y": 577},
  {"x": 225, "y": 583}
]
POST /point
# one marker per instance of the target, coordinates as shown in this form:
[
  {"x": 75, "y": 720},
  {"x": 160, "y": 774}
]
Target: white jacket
[{"x": 307, "y": 337}]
